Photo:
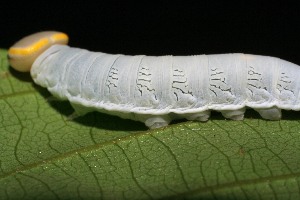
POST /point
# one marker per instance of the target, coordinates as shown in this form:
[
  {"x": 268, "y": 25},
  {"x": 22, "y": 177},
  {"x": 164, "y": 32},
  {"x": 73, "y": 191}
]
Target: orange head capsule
[{"x": 23, "y": 53}]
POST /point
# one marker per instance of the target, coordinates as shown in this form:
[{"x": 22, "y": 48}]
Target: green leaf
[{"x": 43, "y": 155}]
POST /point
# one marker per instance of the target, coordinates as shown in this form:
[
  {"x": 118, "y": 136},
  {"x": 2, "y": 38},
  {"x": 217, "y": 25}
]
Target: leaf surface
[{"x": 43, "y": 155}]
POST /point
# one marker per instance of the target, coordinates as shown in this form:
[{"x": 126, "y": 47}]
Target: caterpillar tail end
[{"x": 24, "y": 52}]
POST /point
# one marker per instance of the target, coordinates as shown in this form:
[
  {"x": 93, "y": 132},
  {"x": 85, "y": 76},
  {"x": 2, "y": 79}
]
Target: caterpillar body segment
[{"x": 157, "y": 89}]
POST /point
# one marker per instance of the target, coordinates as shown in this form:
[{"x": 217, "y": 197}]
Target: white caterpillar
[{"x": 156, "y": 90}]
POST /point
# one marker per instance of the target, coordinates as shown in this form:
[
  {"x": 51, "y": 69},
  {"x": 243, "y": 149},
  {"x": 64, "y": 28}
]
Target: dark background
[{"x": 163, "y": 27}]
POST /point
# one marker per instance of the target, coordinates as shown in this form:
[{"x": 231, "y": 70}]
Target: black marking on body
[
  {"x": 218, "y": 82},
  {"x": 180, "y": 84},
  {"x": 284, "y": 83},
  {"x": 144, "y": 81},
  {"x": 254, "y": 80},
  {"x": 112, "y": 79}
]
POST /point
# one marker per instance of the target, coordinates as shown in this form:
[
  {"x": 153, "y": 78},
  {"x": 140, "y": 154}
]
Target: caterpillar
[{"x": 158, "y": 89}]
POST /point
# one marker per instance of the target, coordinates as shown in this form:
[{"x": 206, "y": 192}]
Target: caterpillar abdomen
[{"x": 157, "y": 89}]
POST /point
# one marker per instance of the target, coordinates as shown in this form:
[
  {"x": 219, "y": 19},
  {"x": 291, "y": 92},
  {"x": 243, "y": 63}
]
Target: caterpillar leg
[
  {"x": 202, "y": 116},
  {"x": 157, "y": 121},
  {"x": 52, "y": 99},
  {"x": 74, "y": 115},
  {"x": 234, "y": 114},
  {"x": 270, "y": 113},
  {"x": 80, "y": 110}
]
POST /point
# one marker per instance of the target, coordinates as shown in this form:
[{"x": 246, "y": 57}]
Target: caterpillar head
[{"x": 24, "y": 52}]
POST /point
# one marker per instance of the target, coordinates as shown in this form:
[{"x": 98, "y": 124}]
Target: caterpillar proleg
[{"x": 158, "y": 89}]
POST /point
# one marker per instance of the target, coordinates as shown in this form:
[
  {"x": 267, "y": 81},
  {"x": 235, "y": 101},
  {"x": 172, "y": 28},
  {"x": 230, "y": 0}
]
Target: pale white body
[{"x": 156, "y": 90}]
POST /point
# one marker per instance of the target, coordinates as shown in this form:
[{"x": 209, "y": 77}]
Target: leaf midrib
[
  {"x": 238, "y": 183},
  {"x": 73, "y": 152}
]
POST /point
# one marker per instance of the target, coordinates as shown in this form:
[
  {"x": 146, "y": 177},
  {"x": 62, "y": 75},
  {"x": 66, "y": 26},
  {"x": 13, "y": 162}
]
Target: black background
[{"x": 162, "y": 27}]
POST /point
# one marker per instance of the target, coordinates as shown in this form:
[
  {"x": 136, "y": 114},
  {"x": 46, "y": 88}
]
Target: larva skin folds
[{"x": 156, "y": 90}]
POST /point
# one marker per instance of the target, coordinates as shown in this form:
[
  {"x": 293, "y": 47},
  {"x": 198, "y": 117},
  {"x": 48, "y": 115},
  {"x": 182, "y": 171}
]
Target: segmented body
[{"x": 163, "y": 88}]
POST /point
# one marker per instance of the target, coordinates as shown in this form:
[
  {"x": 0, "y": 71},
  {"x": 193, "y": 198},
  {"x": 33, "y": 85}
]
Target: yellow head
[{"x": 23, "y": 53}]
